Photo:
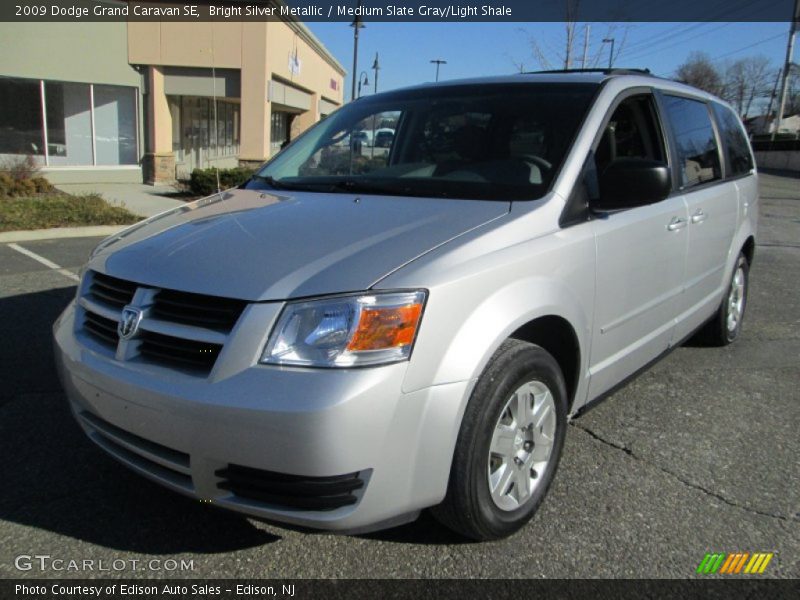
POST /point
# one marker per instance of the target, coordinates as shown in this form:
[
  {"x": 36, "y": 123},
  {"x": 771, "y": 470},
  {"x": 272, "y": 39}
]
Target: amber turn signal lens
[{"x": 381, "y": 328}]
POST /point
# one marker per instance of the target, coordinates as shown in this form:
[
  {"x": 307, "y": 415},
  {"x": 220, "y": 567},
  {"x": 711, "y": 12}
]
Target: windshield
[{"x": 491, "y": 141}]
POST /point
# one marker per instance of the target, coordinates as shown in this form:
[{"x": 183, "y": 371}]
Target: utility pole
[
  {"x": 438, "y": 62},
  {"x": 356, "y": 25},
  {"x": 570, "y": 41},
  {"x": 772, "y": 99},
  {"x": 585, "y": 46},
  {"x": 787, "y": 67},
  {"x": 610, "y": 54}
]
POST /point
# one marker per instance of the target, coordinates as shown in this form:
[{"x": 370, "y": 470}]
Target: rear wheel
[
  {"x": 509, "y": 444},
  {"x": 726, "y": 324}
]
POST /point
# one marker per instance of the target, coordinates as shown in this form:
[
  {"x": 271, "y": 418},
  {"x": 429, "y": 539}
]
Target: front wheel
[{"x": 509, "y": 444}]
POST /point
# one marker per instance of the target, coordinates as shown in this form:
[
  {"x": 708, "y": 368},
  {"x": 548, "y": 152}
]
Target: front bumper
[{"x": 186, "y": 433}]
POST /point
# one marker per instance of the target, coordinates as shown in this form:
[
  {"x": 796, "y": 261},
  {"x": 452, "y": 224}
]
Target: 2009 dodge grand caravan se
[{"x": 358, "y": 333}]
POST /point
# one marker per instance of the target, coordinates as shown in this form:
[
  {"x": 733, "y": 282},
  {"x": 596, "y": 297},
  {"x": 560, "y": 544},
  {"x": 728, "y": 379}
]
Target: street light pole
[
  {"x": 376, "y": 67},
  {"x": 362, "y": 79},
  {"x": 356, "y": 25},
  {"x": 610, "y": 54},
  {"x": 437, "y": 62}
]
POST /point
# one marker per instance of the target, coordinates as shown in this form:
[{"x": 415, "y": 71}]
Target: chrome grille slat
[
  {"x": 111, "y": 290},
  {"x": 187, "y": 332},
  {"x": 99, "y": 308}
]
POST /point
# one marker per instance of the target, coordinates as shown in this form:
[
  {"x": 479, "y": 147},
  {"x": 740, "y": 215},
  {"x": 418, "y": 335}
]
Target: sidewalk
[{"x": 140, "y": 199}]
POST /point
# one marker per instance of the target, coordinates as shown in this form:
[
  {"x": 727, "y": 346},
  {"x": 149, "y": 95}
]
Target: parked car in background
[
  {"x": 362, "y": 137},
  {"x": 383, "y": 138},
  {"x": 348, "y": 339}
]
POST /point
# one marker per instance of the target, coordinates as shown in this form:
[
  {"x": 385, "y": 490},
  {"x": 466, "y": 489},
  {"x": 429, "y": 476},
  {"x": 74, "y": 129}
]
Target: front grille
[
  {"x": 178, "y": 329},
  {"x": 102, "y": 329},
  {"x": 111, "y": 291},
  {"x": 144, "y": 455},
  {"x": 178, "y": 351},
  {"x": 198, "y": 310},
  {"x": 290, "y": 491}
]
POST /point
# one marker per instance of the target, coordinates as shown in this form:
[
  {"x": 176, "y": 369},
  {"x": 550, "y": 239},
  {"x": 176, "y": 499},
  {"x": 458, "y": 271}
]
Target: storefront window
[
  {"x": 69, "y": 123},
  {"x": 279, "y": 132},
  {"x": 197, "y": 136},
  {"x": 20, "y": 119},
  {"x": 115, "y": 125},
  {"x": 77, "y": 132}
]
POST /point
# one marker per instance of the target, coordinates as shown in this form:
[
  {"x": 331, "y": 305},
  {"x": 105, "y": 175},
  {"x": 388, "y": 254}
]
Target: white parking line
[{"x": 47, "y": 263}]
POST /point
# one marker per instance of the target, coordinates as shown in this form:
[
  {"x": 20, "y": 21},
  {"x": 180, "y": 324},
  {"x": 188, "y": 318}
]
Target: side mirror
[{"x": 630, "y": 182}]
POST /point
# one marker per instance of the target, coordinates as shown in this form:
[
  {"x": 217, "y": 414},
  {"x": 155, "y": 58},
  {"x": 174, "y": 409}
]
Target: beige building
[
  {"x": 271, "y": 81},
  {"x": 126, "y": 102}
]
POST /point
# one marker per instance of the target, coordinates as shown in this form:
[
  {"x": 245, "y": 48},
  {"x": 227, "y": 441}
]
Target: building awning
[
  {"x": 288, "y": 96},
  {"x": 326, "y": 107},
  {"x": 187, "y": 81}
]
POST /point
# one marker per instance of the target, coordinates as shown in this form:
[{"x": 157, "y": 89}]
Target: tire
[
  {"x": 494, "y": 449},
  {"x": 726, "y": 324}
]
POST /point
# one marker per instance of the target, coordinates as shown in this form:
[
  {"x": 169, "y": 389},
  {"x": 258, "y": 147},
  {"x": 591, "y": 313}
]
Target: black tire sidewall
[
  {"x": 529, "y": 363},
  {"x": 731, "y": 336}
]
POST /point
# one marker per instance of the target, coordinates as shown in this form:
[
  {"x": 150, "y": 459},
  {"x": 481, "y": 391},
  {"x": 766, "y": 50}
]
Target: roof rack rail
[{"x": 612, "y": 71}]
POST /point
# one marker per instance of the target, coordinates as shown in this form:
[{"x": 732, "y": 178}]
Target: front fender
[{"x": 487, "y": 287}]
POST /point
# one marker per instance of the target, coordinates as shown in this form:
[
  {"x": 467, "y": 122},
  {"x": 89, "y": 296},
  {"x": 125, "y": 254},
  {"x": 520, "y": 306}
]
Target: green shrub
[
  {"x": 20, "y": 167},
  {"x": 11, "y": 187},
  {"x": 7, "y": 185},
  {"x": 60, "y": 210},
  {"x": 203, "y": 182},
  {"x": 42, "y": 185},
  {"x": 24, "y": 187},
  {"x": 18, "y": 177}
]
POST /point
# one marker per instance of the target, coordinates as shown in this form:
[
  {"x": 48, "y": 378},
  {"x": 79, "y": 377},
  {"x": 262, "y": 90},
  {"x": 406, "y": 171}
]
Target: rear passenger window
[
  {"x": 698, "y": 154},
  {"x": 740, "y": 160}
]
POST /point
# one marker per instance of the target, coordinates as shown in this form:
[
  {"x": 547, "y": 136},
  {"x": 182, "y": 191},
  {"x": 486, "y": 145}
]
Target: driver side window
[{"x": 632, "y": 132}]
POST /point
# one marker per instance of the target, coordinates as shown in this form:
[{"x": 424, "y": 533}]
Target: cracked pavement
[{"x": 700, "y": 453}]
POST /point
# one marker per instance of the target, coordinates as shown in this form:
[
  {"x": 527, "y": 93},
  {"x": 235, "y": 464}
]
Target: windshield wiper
[
  {"x": 394, "y": 188},
  {"x": 271, "y": 182}
]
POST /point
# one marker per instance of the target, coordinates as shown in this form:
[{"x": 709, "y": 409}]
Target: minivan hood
[{"x": 257, "y": 245}]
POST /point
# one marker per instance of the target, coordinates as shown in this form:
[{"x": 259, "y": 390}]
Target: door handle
[
  {"x": 676, "y": 224},
  {"x": 699, "y": 216}
]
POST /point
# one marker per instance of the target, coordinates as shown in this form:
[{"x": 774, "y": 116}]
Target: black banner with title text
[
  {"x": 401, "y": 10},
  {"x": 413, "y": 589}
]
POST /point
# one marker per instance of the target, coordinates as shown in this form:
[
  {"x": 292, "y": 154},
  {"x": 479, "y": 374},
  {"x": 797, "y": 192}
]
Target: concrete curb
[{"x": 33, "y": 235}]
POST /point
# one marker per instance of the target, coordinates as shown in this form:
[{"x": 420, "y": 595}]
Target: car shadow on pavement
[
  {"x": 425, "y": 530},
  {"x": 55, "y": 479}
]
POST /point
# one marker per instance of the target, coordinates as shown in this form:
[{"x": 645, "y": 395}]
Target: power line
[
  {"x": 638, "y": 55},
  {"x": 657, "y": 44},
  {"x": 764, "y": 41}
]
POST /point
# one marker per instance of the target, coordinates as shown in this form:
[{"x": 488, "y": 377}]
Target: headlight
[{"x": 346, "y": 331}]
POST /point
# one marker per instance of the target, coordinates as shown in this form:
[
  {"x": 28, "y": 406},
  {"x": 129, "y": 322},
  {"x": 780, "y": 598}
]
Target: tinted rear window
[{"x": 740, "y": 160}]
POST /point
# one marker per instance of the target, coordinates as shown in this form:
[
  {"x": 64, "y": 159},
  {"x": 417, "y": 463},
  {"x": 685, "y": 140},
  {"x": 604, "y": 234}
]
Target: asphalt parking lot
[{"x": 699, "y": 454}]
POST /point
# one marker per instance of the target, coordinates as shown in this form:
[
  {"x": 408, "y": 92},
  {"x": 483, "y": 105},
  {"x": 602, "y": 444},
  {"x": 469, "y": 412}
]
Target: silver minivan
[{"x": 360, "y": 333}]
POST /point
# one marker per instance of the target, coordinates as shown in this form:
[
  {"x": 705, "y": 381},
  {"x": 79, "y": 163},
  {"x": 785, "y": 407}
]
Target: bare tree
[
  {"x": 550, "y": 56},
  {"x": 745, "y": 80},
  {"x": 700, "y": 72}
]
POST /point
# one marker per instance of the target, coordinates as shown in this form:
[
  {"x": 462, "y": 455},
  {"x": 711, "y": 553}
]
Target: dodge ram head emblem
[{"x": 129, "y": 322}]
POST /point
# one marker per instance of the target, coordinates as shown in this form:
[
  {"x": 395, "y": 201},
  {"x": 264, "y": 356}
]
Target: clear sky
[{"x": 476, "y": 49}]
